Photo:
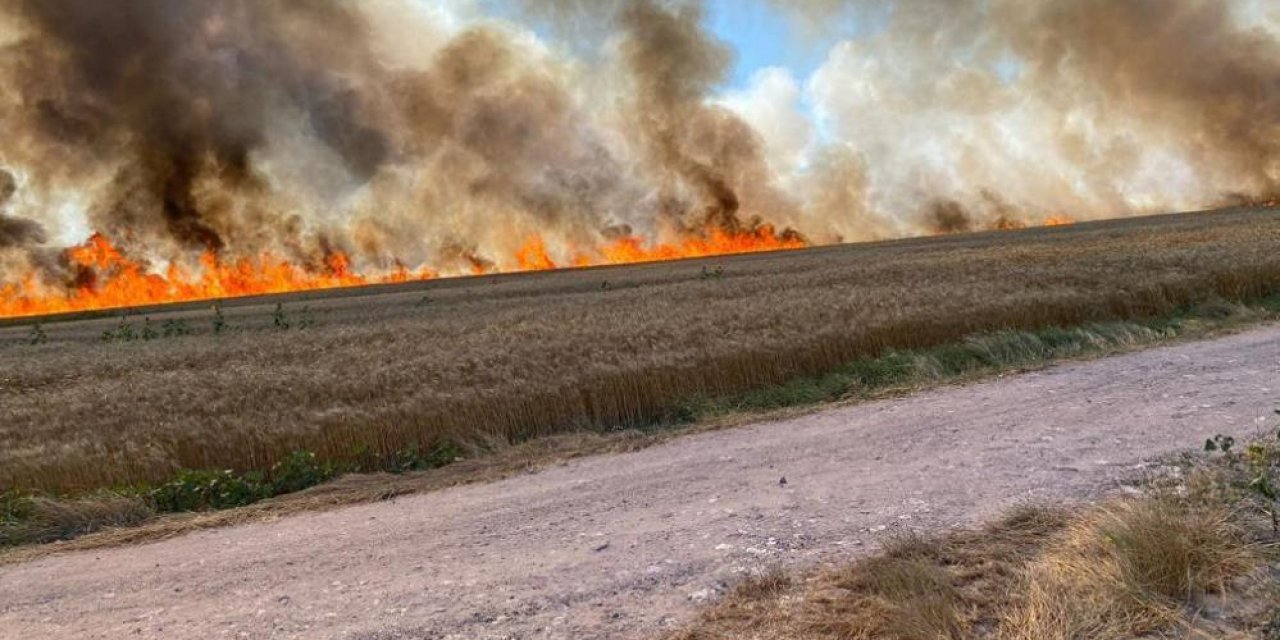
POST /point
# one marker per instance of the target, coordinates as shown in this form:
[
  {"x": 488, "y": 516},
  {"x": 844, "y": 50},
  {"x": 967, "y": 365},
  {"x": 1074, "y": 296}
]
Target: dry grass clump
[
  {"x": 915, "y": 588},
  {"x": 1131, "y": 568},
  {"x": 481, "y": 363},
  {"x": 904, "y": 593},
  {"x": 47, "y": 520}
]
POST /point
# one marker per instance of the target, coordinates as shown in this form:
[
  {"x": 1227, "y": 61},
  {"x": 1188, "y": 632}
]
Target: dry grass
[
  {"x": 492, "y": 361},
  {"x": 915, "y": 588},
  {"x": 346, "y": 490},
  {"x": 1191, "y": 559},
  {"x": 47, "y": 520},
  {"x": 1130, "y": 569}
]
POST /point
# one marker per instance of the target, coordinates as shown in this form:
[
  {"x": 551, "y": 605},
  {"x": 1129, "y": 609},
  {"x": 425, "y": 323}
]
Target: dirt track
[{"x": 625, "y": 546}]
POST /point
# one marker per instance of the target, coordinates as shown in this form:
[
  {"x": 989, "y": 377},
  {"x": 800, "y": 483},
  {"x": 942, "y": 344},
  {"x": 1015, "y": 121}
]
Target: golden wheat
[{"x": 495, "y": 360}]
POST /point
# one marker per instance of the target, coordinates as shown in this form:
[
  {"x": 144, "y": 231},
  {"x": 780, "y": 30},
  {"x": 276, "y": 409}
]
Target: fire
[
  {"x": 533, "y": 256},
  {"x": 106, "y": 278}
]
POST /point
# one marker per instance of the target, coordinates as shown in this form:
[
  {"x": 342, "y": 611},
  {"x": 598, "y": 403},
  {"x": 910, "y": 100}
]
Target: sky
[
  {"x": 761, "y": 38},
  {"x": 759, "y": 34}
]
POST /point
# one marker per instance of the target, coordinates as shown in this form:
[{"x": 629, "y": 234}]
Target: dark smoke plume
[
  {"x": 690, "y": 145},
  {"x": 181, "y": 94},
  {"x": 15, "y": 232},
  {"x": 301, "y": 127}
]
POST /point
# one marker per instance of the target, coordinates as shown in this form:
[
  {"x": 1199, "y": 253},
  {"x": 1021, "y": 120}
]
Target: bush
[
  {"x": 204, "y": 490},
  {"x": 299, "y": 470}
]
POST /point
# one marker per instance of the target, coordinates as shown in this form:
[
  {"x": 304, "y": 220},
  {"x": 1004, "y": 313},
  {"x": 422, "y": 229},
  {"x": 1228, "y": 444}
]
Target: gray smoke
[{"x": 301, "y": 128}]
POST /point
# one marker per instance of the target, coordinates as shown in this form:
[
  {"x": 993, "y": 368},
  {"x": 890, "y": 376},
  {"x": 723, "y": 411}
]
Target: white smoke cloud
[
  {"x": 944, "y": 104},
  {"x": 772, "y": 105}
]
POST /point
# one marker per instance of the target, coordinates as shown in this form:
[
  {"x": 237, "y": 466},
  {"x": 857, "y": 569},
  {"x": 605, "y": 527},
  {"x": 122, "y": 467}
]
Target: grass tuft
[
  {"x": 1129, "y": 569},
  {"x": 46, "y": 520}
]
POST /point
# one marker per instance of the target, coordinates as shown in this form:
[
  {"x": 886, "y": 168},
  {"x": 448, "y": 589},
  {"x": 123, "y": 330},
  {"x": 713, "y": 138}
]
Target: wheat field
[{"x": 493, "y": 360}]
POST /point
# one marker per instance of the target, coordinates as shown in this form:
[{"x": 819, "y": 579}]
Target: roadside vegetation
[
  {"x": 128, "y": 416},
  {"x": 1195, "y": 555}
]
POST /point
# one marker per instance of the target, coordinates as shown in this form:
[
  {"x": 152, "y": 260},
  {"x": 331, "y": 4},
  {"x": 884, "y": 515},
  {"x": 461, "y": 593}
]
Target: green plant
[
  {"x": 37, "y": 335},
  {"x": 124, "y": 332},
  {"x": 299, "y": 470},
  {"x": 279, "y": 318},
  {"x": 219, "y": 321},
  {"x": 306, "y": 320},
  {"x": 203, "y": 490},
  {"x": 413, "y": 459},
  {"x": 1259, "y": 471},
  {"x": 175, "y": 328},
  {"x": 15, "y": 507},
  {"x": 148, "y": 332}
]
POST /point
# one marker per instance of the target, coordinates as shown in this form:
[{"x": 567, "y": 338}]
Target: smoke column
[{"x": 406, "y": 135}]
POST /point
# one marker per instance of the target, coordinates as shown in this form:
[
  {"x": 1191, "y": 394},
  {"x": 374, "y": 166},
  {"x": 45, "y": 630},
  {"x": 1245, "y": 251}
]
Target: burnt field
[{"x": 115, "y": 399}]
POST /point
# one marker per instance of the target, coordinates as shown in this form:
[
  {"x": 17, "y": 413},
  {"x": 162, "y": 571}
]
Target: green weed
[
  {"x": 124, "y": 332},
  {"x": 37, "y": 335},
  {"x": 220, "y": 324}
]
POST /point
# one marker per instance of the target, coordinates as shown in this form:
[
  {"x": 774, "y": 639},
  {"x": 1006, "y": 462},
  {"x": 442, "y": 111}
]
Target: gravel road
[{"x": 628, "y": 545}]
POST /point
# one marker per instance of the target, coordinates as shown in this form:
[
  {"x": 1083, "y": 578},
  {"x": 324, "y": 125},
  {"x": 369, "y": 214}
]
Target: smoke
[
  {"x": 977, "y": 113},
  {"x": 1185, "y": 69},
  {"x": 403, "y": 134},
  {"x": 705, "y": 157},
  {"x": 15, "y": 232},
  {"x": 173, "y": 99}
]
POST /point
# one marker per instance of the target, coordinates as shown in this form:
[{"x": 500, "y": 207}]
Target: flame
[
  {"x": 532, "y": 256},
  {"x": 107, "y": 278}
]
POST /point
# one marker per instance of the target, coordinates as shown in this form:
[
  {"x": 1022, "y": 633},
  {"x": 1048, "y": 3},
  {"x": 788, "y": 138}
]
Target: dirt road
[{"x": 625, "y": 546}]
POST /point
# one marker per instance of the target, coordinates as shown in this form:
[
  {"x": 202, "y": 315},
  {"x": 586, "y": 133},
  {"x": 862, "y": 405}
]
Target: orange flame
[
  {"x": 106, "y": 278},
  {"x": 1059, "y": 220}
]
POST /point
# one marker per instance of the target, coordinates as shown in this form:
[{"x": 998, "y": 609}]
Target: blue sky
[
  {"x": 759, "y": 33},
  {"x": 762, "y": 36}
]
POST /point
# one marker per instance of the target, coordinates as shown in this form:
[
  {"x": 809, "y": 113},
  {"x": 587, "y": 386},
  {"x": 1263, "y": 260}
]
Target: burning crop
[
  {"x": 109, "y": 401},
  {"x": 105, "y": 278},
  {"x": 170, "y": 150}
]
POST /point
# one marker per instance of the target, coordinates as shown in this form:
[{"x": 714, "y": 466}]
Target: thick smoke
[
  {"x": 1186, "y": 69},
  {"x": 689, "y": 144},
  {"x": 402, "y": 135},
  {"x": 172, "y": 100},
  {"x": 978, "y": 113},
  {"x": 15, "y": 232}
]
